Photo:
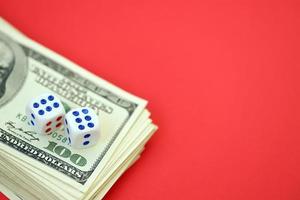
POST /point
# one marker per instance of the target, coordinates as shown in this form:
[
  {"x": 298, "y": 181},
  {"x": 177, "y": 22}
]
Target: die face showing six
[
  {"x": 82, "y": 127},
  {"x": 45, "y": 113}
]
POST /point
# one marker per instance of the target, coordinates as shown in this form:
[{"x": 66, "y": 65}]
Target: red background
[{"x": 222, "y": 79}]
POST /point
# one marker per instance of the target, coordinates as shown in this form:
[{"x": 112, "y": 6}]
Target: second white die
[{"x": 82, "y": 127}]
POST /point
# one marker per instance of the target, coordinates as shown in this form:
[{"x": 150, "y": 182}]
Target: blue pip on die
[
  {"x": 45, "y": 113},
  {"x": 82, "y": 127}
]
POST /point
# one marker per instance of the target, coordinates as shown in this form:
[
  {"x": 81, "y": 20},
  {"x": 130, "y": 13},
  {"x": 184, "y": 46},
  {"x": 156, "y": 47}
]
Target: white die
[
  {"x": 82, "y": 127},
  {"x": 45, "y": 113}
]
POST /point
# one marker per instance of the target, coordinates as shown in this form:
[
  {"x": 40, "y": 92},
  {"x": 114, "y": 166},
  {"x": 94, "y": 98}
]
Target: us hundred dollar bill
[{"x": 28, "y": 69}]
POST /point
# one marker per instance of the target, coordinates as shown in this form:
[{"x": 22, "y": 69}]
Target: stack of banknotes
[{"x": 35, "y": 166}]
